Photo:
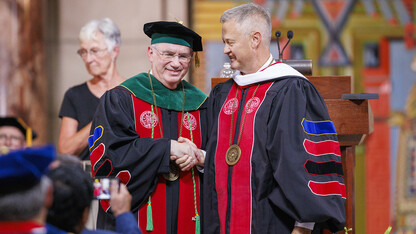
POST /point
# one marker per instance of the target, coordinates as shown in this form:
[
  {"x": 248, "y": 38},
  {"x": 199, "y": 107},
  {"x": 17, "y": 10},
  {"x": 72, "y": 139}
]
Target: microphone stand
[{"x": 303, "y": 66}]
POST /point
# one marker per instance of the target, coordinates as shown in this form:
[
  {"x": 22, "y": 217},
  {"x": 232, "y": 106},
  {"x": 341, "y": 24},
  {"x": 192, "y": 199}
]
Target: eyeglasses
[
  {"x": 14, "y": 140},
  {"x": 96, "y": 52},
  {"x": 169, "y": 56}
]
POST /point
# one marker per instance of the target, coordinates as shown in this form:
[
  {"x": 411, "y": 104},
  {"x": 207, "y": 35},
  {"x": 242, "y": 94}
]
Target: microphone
[
  {"x": 303, "y": 66},
  {"x": 289, "y": 36},
  {"x": 278, "y": 46}
]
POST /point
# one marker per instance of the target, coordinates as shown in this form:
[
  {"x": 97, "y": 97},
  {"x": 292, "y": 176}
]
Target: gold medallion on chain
[
  {"x": 234, "y": 152},
  {"x": 173, "y": 172},
  {"x": 233, "y": 155}
]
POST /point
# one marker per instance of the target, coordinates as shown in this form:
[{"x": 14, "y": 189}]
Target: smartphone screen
[{"x": 102, "y": 187}]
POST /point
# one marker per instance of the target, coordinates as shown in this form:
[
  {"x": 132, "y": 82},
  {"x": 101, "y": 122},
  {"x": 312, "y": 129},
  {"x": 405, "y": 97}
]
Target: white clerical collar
[{"x": 271, "y": 70}]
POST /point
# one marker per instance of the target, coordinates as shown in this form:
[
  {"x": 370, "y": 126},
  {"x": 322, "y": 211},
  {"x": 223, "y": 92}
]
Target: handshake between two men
[{"x": 186, "y": 154}]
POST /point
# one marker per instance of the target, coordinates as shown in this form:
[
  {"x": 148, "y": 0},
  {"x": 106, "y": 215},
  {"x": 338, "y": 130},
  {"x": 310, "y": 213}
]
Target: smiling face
[
  {"x": 237, "y": 47},
  {"x": 169, "y": 72},
  {"x": 97, "y": 58}
]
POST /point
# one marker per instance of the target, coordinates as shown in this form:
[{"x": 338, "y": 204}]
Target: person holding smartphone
[
  {"x": 72, "y": 197},
  {"x": 25, "y": 190}
]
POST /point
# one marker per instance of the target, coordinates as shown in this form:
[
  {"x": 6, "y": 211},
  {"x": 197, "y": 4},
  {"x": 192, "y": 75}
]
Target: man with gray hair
[
  {"x": 25, "y": 191},
  {"x": 147, "y": 132},
  {"x": 273, "y": 160}
]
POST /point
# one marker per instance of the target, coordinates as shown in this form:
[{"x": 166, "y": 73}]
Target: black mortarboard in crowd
[{"x": 21, "y": 125}]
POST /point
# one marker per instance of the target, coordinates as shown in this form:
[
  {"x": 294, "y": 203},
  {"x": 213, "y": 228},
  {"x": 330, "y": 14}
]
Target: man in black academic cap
[
  {"x": 25, "y": 191},
  {"x": 147, "y": 132},
  {"x": 14, "y": 134}
]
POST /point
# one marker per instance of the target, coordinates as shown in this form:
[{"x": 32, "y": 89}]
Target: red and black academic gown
[
  {"x": 290, "y": 167},
  {"x": 121, "y": 145}
]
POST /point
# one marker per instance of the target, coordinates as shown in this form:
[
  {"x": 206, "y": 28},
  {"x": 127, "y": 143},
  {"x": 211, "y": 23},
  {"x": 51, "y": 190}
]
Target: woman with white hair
[{"x": 99, "y": 47}]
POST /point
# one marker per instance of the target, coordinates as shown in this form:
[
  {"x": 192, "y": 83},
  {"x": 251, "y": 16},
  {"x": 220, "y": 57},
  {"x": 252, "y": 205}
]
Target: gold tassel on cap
[
  {"x": 196, "y": 59},
  {"x": 29, "y": 137},
  {"x": 176, "y": 19},
  {"x": 29, "y": 134},
  {"x": 196, "y": 53}
]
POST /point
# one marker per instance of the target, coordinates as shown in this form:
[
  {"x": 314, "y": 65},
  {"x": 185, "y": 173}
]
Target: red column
[{"x": 377, "y": 146}]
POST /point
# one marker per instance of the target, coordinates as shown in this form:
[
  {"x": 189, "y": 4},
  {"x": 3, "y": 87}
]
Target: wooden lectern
[{"x": 351, "y": 114}]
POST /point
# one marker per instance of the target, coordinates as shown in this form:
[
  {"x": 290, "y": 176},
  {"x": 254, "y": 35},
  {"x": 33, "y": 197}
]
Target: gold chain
[
  {"x": 244, "y": 118},
  {"x": 183, "y": 109},
  {"x": 180, "y": 134},
  {"x": 154, "y": 101},
  {"x": 232, "y": 118}
]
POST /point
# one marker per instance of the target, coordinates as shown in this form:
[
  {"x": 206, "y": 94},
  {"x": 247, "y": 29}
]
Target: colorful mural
[{"x": 373, "y": 41}]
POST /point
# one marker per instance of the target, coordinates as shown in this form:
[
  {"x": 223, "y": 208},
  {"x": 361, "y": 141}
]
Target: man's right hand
[
  {"x": 185, "y": 153},
  {"x": 200, "y": 157}
]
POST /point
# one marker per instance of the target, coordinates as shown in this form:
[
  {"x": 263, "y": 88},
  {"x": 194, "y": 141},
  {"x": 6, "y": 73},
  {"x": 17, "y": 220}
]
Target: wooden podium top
[{"x": 352, "y": 118}]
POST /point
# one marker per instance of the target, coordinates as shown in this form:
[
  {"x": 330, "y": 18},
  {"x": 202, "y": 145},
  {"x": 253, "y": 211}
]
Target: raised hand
[{"x": 120, "y": 198}]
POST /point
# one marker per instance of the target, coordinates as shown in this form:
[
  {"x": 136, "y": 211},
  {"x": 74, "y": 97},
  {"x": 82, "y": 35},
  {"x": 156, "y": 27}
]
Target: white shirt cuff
[
  {"x": 199, "y": 168},
  {"x": 308, "y": 225}
]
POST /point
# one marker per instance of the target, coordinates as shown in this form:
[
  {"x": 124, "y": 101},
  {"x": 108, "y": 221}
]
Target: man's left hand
[
  {"x": 120, "y": 198},
  {"x": 300, "y": 230},
  {"x": 200, "y": 157}
]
